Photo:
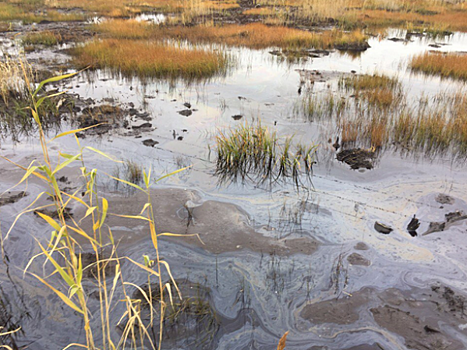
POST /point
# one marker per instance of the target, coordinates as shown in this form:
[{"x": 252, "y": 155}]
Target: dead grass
[
  {"x": 26, "y": 14},
  {"x": 12, "y": 78},
  {"x": 256, "y": 35},
  {"x": 377, "y": 90},
  {"x": 124, "y": 29},
  {"x": 148, "y": 59},
  {"x": 452, "y": 65}
]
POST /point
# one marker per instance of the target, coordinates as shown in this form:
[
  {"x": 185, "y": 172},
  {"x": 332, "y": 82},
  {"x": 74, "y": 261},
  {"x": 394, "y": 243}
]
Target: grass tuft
[
  {"x": 448, "y": 65},
  {"x": 46, "y": 38},
  {"x": 147, "y": 59},
  {"x": 253, "y": 152}
]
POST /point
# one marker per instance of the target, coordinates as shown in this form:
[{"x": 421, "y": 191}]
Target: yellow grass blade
[
  {"x": 62, "y": 296},
  {"x": 143, "y": 267}
]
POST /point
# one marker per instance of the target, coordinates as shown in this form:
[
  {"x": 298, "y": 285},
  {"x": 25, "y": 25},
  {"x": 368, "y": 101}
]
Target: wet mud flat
[{"x": 257, "y": 261}]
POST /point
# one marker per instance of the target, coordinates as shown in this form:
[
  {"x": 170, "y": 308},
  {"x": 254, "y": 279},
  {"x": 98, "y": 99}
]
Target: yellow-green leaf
[{"x": 49, "y": 220}]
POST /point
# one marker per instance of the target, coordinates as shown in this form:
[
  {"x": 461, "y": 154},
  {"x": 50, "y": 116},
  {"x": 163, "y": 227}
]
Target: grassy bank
[
  {"x": 452, "y": 65},
  {"x": 148, "y": 59},
  {"x": 255, "y": 35}
]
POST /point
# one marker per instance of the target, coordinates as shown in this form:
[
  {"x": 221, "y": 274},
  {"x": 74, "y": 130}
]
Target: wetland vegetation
[{"x": 233, "y": 174}]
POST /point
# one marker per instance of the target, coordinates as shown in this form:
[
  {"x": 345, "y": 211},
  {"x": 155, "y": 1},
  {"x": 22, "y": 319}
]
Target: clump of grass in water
[
  {"x": 253, "y": 152},
  {"x": 377, "y": 90},
  {"x": 129, "y": 171},
  {"x": 147, "y": 59},
  {"x": 448, "y": 65},
  {"x": 15, "y": 116},
  {"x": 46, "y": 38}
]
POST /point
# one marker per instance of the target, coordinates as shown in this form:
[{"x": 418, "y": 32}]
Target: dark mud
[
  {"x": 216, "y": 227},
  {"x": 357, "y": 158},
  {"x": 424, "y": 319},
  {"x": 12, "y": 197}
]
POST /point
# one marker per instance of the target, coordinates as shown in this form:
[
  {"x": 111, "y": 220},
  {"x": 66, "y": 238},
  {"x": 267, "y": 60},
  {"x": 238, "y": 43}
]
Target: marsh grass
[
  {"x": 253, "y": 152},
  {"x": 15, "y": 116},
  {"x": 148, "y": 59},
  {"x": 373, "y": 111},
  {"x": 32, "y": 13},
  {"x": 46, "y": 38},
  {"x": 448, "y": 65},
  {"x": 376, "y": 90},
  {"x": 254, "y": 35}
]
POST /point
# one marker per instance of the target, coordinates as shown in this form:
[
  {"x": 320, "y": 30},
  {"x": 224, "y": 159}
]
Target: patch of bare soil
[
  {"x": 424, "y": 319},
  {"x": 12, "y": 197},
  {"x": 221, "y": 227}
]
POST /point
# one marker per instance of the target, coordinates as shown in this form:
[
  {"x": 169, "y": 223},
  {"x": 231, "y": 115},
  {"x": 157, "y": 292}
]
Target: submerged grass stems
[
  {"x": 255, "y": 153},
  {"x": 63, "y": 252},
  {"x": 147, "y": 59},
  {"x": 448, "y": 65}
]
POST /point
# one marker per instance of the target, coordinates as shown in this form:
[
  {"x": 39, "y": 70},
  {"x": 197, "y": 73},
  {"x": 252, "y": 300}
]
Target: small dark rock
[
  {"x": 150, "y": 142},
  {"x": 413, "y": 225},
  {"x": 180, "y": 138},
  {"x": 428, "y": 329},
  {"x": 63, "y": 179},
  {"x": 187, "y": 105},
  {"x": 144, "y": 125},
  {"x": 185, "y": 112},
  {"x": 397, "y": 39},
  {"x": 237, "y": 117},
  {"x": 144, "y": 115},
  {"x": 381, "y": 228}
]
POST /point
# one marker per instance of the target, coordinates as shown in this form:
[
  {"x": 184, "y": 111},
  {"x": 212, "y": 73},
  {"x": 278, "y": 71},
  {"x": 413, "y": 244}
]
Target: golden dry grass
[
  {"x": 124, "y": 29},
  {"x": 11, "y": 12},
  {"x": 148, "y": 59},
  {"x": 447, "y": 20},
  {"x": 452, "y": 65},
  {"x": 255, "y": 35}
]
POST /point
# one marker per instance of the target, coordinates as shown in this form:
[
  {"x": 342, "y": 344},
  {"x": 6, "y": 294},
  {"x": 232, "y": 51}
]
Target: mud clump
[
  {"x": 416, "y": 333},
  {"x": 357, "y": 158},
  {"x": 361, "y": 246},
  {"x": 451, "y": 218},
  {"x": 357, "y": 259},
  {"x": 10, "y": 198},
  {"x": 382, "y": 228},
  {"x": 185, "y": 112},
  {"x": 150, "y": 143},
  {"x": 355, "y": 47},
  {"x": 444, "y": 199}
]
